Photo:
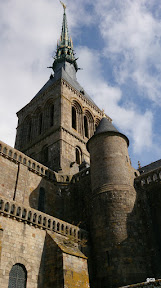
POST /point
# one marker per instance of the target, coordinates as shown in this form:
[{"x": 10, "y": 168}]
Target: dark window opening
[
  {"x": 45, "y": 154},
  {"x": 17, "y": 276},
  {"x": 108, "y": 258},
  {"x": 78, "y": 156},
  {"x": 51, "y": 115},
  {"x": 85, "y": 126},
  {"x": 74, "y": 118},
  {"x": 40, "y": 123},
  {"x": 41, "y": 201}
]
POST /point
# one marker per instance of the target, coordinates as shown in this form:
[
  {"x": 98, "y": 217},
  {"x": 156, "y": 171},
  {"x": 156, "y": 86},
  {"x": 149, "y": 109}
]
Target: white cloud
[
  {"x": 132, "y": 34},
  {"x": 129, "y": 119},
  {"x": 29, "y": 31}
]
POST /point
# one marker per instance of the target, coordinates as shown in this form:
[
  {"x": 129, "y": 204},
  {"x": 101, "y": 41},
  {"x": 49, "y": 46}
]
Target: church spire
[{"x": 65, "y": 50}]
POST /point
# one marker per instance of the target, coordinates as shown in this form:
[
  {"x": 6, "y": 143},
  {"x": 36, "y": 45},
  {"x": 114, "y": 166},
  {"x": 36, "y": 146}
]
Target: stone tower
[
  {"x": 112, "y": 217},
  {"x": 55, "y": 126}
]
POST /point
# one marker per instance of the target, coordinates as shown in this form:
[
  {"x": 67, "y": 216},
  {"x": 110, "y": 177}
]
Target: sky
[{"x": 119, "y": 48}]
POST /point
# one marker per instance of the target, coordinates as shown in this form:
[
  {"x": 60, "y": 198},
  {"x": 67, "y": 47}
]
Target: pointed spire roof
[{"x": 65, "y": 50}]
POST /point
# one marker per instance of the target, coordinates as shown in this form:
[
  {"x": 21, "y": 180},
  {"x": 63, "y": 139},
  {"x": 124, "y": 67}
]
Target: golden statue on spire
[{"x": 64, "y": 6}]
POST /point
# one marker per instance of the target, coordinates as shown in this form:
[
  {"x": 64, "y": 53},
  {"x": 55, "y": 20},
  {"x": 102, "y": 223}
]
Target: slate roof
[
  {"x": 150, "y": 167},
  {"x": 73, "y": 82},
  {"x": 105, "y": 126}
]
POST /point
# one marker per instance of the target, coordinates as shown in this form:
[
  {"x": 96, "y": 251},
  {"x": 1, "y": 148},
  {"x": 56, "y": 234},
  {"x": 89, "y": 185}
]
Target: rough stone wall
[
  {"x": 19, "y": 183},
  {"x": 22, "y": 244},
  {"x": 8, "y": 176},
  {"x": 50, "y": 135},
  {"x": 119, "y": 247},
  {"x": 51, "y": 260},
  {"x": 72, "y": 138},
  {"x": 61, "y": 139}
]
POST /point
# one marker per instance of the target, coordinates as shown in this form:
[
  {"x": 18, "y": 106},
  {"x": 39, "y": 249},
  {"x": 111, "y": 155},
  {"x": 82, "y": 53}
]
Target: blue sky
[{"x": 119, "y": 48}]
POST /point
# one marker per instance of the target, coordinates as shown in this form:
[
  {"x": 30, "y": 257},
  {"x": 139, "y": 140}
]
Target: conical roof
[{"x": 105, "y": 126}]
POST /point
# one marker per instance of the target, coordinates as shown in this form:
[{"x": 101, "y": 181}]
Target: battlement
[{"x": 33, "y": 217}]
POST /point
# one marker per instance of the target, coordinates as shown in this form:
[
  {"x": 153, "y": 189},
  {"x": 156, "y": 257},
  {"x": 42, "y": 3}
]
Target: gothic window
[
  {"x": 85, "y": 126},
  {"x": 51, "y": 115},
  {"x": 78, "y": 155},
  {"x": 40, "y": 123},
  {"x": 74, "y": 118},
  {"x": 41, "y": 201},
  {"x": 17, "y": 276}
]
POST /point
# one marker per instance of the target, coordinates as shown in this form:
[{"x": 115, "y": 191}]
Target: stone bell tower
[{"x": 55, "y": 126}]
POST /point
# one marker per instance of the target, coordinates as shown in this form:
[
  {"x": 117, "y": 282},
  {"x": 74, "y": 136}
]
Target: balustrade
[
  {"x": 149, "y": 178},
  {"x": 18, "y": 157},
  {"x": 40, "y": 219}
]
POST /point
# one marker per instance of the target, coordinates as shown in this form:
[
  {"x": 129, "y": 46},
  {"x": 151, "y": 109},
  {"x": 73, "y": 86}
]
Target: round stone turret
[
  {"x": 111, "y": 206},
  {"x": 109, "y": 152}
]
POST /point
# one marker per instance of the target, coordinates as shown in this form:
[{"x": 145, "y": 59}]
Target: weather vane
[{"x": 64, "y": 6}]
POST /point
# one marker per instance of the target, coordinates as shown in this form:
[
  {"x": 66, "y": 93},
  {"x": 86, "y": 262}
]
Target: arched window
[
  {"x": 85, "y": 126},
  {"x": 74, "y": 118},
  {"x": 17, "y": 276},
  {"x": 97, "y": 121},
  {"x": 51, "y": 115},
  {"x": 78, "y": 155},
  {"x": 40, "y": 123},
  {"x": 41, "y": 201}
]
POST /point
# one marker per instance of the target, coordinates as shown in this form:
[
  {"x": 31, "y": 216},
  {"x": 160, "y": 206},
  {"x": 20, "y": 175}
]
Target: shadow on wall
[
  {"x": 134, "y": 259},
  {"x": 51, "y": 266},
  {"x": 47, "y": 197},
  {"x": 65, "y": 201}
]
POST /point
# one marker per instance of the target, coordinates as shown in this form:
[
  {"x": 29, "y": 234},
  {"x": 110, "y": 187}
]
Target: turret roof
[{"x": 105, "y": 126}]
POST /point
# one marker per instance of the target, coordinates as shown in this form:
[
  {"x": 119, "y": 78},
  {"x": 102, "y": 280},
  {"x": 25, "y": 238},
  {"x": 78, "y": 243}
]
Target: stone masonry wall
[{"x": 22, "y": 244}]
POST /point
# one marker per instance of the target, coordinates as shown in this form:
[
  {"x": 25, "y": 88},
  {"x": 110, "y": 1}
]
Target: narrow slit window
[
  {"x": 78, "y": 155},
  {"x": 85, "y": 126},
  {"x": 45, "y": 155},
  {"x": 74, "y": 118}
]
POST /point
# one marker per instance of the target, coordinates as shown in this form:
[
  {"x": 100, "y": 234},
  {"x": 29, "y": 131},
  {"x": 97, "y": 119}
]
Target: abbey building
[{"x": 73, "y": 211}]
